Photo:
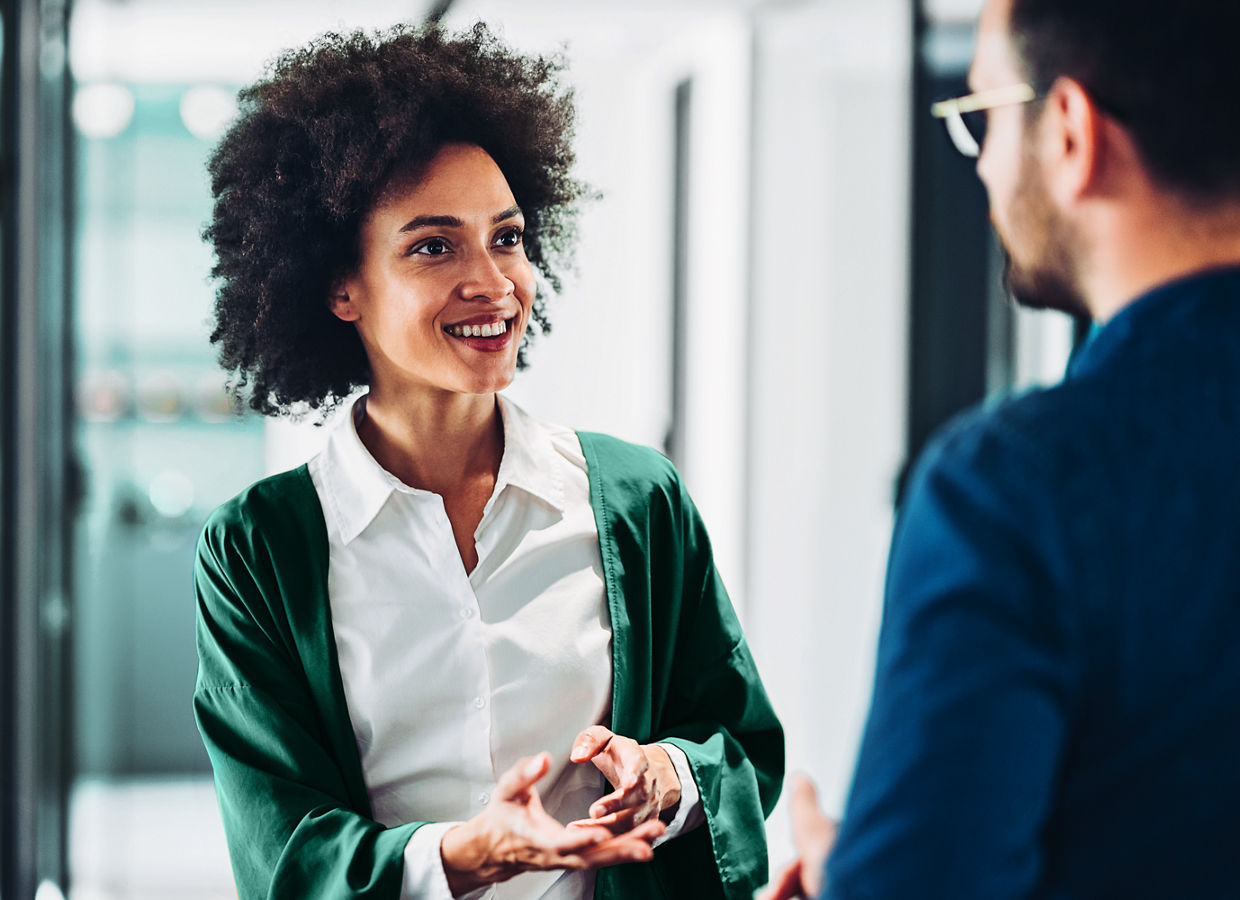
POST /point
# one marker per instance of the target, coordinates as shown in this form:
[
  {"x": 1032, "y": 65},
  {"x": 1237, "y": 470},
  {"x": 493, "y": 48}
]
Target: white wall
[{"x": 829, "y": 345}]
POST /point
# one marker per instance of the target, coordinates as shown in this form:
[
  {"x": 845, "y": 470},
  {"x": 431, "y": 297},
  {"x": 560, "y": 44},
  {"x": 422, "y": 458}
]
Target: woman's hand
[
  {"x": 515, "y": 834},
  {"x": 645, "y": 781}
]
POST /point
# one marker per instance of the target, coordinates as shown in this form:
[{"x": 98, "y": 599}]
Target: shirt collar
[
  {"x": 530, "y": 460},
  {"x": 358, "y": 487},
  {"x": 1200, "y": 303}
]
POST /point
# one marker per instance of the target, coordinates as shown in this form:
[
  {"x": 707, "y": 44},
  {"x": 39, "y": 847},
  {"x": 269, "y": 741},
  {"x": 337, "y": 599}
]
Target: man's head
[
  {"x": 1128, "y": 92},
  {"x": 1164, "y": 69}
]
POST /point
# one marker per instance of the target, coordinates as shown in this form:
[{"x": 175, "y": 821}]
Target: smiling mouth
[{"x": 486, "y": 329}]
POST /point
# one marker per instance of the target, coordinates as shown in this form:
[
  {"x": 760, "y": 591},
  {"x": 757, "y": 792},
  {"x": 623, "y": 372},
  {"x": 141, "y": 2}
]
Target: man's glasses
[{"x": 965, "y": 117}]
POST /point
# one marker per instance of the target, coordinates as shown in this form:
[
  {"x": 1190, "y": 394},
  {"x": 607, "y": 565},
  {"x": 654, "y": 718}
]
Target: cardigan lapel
[{"x": 308, "y": 610}]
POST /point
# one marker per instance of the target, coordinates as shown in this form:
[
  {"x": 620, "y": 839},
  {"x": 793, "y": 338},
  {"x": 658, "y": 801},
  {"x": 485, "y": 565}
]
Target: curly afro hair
[{"x": 314, "y": 146}]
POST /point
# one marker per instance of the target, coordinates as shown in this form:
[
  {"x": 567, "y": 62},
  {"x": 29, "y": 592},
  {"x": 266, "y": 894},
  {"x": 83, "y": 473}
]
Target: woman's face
[{"x": 442, "y": 293}]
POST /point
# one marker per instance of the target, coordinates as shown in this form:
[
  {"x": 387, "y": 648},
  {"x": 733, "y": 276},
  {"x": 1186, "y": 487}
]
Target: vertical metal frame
[
  {"x": 34, "y": 427},
  {"x": 952, "y": 319},
  {"x": 674, "y": 444}
]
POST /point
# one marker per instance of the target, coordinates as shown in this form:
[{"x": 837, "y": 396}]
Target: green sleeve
[
  {"x": 684, "y": 675},
  {"x": 718, "y": 713},
  {"x": 288, "y": 782}
]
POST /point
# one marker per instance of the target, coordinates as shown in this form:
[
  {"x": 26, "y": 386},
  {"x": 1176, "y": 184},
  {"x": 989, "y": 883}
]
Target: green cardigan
[{"x": 271, "y": 708}]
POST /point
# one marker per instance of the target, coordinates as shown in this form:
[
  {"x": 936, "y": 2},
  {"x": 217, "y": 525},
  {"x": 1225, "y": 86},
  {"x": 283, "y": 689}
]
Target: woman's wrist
[
  {"x": 458, "y": 849},
  {"x": 667, "y": 780}
]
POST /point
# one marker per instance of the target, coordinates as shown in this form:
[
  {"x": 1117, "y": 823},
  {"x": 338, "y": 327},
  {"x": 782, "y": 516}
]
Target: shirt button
[
  {"x": 479, "y": 702},
  {"x": 484, "y": 798},
  {"x": 466, "y": 612}
]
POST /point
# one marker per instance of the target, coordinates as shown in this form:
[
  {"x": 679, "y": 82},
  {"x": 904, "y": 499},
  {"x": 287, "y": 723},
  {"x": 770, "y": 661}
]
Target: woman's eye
[
  {"x": 433, "y": 247},
  {"x": 510, "y": 238}
]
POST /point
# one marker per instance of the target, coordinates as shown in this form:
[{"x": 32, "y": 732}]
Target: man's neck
[{"x": 1141, "y": 249}]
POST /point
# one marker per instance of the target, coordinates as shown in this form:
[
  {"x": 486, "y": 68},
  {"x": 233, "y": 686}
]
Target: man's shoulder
[{"x": 1039, "y": 426}]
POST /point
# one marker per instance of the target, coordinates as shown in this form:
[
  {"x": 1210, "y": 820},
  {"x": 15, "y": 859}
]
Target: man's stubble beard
[{"x": 1050, "y": 280}]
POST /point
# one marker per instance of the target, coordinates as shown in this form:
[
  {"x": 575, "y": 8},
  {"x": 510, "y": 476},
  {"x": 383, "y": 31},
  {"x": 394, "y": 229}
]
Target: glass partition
[{"x": 160, "y": 446}]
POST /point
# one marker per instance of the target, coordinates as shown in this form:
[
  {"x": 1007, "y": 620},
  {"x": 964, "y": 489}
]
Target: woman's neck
[{"x": 439, "y": 443}]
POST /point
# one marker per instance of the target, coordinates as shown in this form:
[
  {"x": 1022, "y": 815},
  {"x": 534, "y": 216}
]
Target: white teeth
[{"x": 490, "y": 329}]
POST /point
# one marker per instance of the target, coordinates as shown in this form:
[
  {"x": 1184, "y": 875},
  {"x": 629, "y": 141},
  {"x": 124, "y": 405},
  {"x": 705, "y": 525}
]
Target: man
[{"x": 1056, "y": 710}]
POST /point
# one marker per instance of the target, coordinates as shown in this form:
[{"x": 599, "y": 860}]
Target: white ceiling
[{"x": 230, "y": 41}]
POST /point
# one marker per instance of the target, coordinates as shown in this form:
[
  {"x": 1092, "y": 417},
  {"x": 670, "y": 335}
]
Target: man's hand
[
  {"x": 515, "y": 834},
  {"x": 814, "y": 836},
  {"x": 642, "y": 775}
]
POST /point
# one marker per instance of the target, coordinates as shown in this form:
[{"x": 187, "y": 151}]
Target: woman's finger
[
  {"x": 522, "y": 776},
  {"x": 590, "y": 742},
  {"x": 618, "y": 822},
  {"x": 622, "y": 762},
  {"x": 577, "y": 839},
  {"x": 610, "y": 854},
  {"x": 635, "y": 796}
]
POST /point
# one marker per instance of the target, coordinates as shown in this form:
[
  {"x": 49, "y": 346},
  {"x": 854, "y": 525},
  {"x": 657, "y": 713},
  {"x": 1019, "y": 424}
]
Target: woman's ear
[{"x": 339, "y": 302}]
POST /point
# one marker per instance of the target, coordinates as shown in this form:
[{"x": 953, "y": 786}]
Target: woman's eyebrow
[
  {"x": 434, "y": 221},
  {"x": 453, "y": 222}
]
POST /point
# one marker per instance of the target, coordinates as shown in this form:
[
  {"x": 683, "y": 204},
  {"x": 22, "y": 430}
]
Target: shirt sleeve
[
  {"x": 689, "y": 813},
  {"x": 424, "y": 874},
  {"x": 967, "y": 728},
  {"x": 296, "y": 826}
]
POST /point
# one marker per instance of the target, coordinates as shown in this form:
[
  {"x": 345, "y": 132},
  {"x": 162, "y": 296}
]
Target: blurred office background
[{"x": 788, "y": 282}]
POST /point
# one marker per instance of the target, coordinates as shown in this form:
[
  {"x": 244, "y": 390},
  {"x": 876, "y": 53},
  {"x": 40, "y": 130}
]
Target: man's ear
[
  {"x": 1075, "y": 141},
  {"x": 340, "y": 302}
]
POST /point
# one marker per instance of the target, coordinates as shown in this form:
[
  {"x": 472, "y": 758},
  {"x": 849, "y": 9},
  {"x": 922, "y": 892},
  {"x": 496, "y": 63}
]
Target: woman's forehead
[{"x": 460, "y": 180}]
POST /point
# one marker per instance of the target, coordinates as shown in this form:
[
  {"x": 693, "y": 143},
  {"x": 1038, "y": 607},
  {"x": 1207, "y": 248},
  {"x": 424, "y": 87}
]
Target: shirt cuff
[
  {"x": 424, "y": 875},
  {"x": 689, "y": 814}
]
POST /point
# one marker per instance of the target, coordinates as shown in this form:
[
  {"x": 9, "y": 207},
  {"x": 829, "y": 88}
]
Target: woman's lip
[{"x": 490, "y": 319}]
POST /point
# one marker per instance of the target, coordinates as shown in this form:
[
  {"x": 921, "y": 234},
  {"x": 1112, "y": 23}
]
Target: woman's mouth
[
  {"x": 486, "y": 329},
  {"x": 489, "y": 335}
]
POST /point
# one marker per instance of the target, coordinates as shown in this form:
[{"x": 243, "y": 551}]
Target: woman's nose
[{"x": 485, "y": 280}]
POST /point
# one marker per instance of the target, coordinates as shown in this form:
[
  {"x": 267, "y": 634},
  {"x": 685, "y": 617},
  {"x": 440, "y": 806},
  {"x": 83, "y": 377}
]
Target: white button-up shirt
[{"x": 450, "y": 677}]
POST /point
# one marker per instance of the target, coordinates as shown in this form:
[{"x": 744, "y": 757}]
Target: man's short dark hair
[
  {"x": 1168, "y": 70},
  {"x": 316, "y": 144}
]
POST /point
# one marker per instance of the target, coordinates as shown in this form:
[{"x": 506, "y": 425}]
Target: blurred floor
[{"x": 147, "y": 839}]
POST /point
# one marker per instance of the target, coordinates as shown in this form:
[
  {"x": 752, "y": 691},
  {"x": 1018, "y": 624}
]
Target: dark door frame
[{"x": 35, "y": 490}]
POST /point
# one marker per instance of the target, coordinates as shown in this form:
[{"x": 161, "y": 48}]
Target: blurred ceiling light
[
  {"x": 206, "y": 111},
  {"x": 102, "y": 111},
  {"x": 171, "y": 493}
]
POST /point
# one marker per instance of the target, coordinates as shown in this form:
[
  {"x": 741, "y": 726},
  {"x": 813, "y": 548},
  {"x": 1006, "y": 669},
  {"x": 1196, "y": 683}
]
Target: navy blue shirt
[{"x": 1056, "y": 709}]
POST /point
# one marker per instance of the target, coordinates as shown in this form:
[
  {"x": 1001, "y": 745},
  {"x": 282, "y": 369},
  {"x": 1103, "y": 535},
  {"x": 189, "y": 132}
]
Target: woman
[{"x": 457, "y": 627}]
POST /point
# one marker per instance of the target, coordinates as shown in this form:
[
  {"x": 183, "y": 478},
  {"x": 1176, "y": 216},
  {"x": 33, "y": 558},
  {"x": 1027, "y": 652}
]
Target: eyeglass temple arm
[{"x": 1004, "y": 96}]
